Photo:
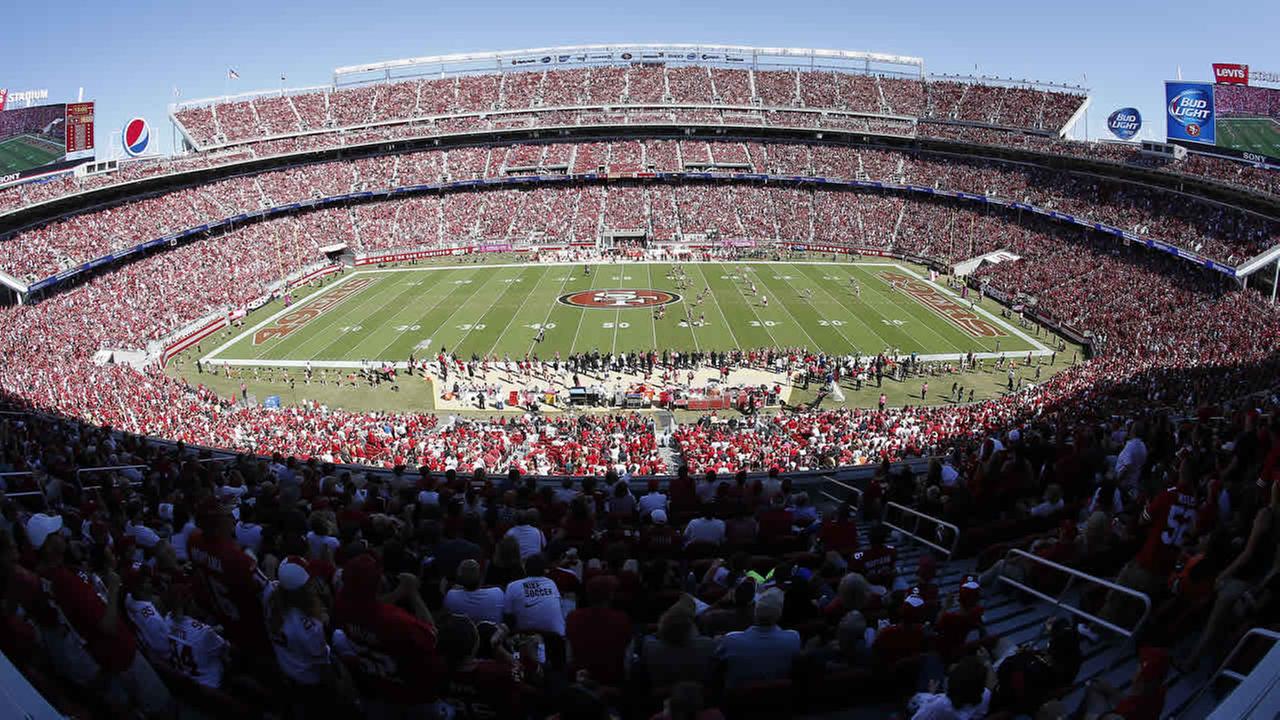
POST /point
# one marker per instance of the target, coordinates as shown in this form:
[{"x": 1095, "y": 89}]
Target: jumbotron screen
[
  {"x": 1238, "y": 119},
  {"x": 31, "y": 137},
  {"x": 1248, "y": 118}
]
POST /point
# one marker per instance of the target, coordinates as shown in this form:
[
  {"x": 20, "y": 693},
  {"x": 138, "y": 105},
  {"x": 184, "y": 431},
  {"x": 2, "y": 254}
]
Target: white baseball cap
[
  {"x": 293, "y": 573},
  {"x": 659, "y": 516},
  {"x": 40, "y": 526}
]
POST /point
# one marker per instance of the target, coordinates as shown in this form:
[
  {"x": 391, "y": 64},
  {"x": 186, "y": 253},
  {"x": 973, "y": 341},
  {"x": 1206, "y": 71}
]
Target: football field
[
  {"x": 384, "y": 315},
  {"x": 1258, "y": 135},
  {"x": 22, "y": 152}
]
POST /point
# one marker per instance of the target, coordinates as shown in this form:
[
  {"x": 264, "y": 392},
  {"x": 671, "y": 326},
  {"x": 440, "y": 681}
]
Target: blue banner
[{"x": 1189, "y": 112}]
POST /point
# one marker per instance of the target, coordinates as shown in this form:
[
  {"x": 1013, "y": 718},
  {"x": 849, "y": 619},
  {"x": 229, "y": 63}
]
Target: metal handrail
[
  {"x": 846, "y": 486},
  {"x": 105, "y": 468},
  {"x": 1223, "y": 670},
  {"x": 44, "y": 501},
  {"x": 1060, "y": 602},
  {"x": 98, "y": 488},
  {"x": 915, "y": 532}
]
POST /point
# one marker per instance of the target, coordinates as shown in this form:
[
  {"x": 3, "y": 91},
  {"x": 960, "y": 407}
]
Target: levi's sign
[{"x": 1231, "y": 73}]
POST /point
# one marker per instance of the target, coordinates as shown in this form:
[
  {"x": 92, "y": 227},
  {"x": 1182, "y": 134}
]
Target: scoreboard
[{"x": 79, "y": 127}]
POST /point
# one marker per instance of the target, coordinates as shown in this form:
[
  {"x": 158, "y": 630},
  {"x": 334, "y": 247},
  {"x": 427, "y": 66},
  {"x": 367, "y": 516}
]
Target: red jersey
[
  {"x": 878, "y": 564},
  {"x": 1142, "y": 707},
  {"x": 84, "y": 609},
  {"x": 898, "y": 642},
  {"x": 660, "y": 539},
  {"x": 774, "y": 524},
  {"x": 395, "y": 652},
  {"x": 953, "y": 628},
  {"x": 1171, "y": 515},
  {"x": 488, "y": 689},
  {"x": 230, "y": 586},
  {"x": 598, "y": 637},
  {"x": 839, "y": 535}
]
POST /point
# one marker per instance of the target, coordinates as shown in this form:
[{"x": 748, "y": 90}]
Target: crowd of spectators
[
  {"x": 369, "y": 591},
  {"x": 1246, "y": 101},
  {"x": 1212, "y": 230},
  {"x": 1195, "y": 165},
  {"x": 40, "y": 120},
  {"x": 281, "y": 584},
  {"x": 970, "y": 99}
]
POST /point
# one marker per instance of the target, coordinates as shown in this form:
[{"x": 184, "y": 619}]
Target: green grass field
[
  {"x": 1257, "y": 135},
  {"x": 498, "y": 309},
  {"x": 23, "y": 152}
]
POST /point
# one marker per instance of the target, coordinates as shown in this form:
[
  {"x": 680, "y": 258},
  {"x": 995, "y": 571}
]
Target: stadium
[{"x": 632, "y": 379}]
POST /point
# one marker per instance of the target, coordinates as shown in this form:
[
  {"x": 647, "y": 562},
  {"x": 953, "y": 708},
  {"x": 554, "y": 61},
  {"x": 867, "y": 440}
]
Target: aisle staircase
[{"x": 1012, "y": 613}]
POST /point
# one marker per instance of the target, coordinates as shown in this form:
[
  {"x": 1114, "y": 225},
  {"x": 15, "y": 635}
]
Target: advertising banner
[
  {"x": 1125, "y": 123},
  {"x": 1189, "y": 112},
  {"x": 1231, "y": 73}
]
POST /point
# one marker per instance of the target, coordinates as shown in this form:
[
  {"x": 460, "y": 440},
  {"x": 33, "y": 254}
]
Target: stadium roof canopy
[{"x": 678, "y": 53}]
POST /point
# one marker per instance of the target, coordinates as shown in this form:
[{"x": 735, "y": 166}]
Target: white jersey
[
  {"x": 249, "y": 537},
  {"x": 152, "y": 627},
  {"x": 301, "y": 649},
  {"x": 196, "y": 650}
]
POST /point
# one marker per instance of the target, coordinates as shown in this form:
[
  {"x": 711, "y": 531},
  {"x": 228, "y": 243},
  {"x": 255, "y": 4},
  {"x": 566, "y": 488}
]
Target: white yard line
[
  {"x": 550, "y": 307},
  {"x": 857, "y": 316},
  {"x": 301, "y": 303},
  {"x": 461, "y": 305},
  {"x": 1040, "y": 348},
  {"x": 894, "y": 302},
  {"x": 813, "y": 307},
  {"x": 747, "y": 301},
  {"x": 573, "y": 346},
  {"x": 515, "y": 314},
  {"x": 419, "y": 316},
  {"x": 351, "y": 314},
  {"x": 653, "y": 321},
  {"x": 812, "y": 343},
  {"x": 725, "y": 318}
]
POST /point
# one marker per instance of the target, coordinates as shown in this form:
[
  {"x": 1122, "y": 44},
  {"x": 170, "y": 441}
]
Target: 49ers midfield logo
[{"x": 619, "y": 299}]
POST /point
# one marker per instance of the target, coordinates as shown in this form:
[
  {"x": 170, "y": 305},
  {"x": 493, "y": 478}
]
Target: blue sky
[{"x": 128, "y": 56}]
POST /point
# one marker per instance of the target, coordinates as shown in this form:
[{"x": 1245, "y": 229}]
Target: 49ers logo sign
[{"x": 619, "y": 299}]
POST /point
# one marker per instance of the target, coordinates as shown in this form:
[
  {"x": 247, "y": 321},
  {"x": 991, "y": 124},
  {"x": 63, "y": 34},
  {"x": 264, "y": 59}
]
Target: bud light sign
[
  {"x": 1189, "y": 107},
  {"x": 1125, "y": 123}
]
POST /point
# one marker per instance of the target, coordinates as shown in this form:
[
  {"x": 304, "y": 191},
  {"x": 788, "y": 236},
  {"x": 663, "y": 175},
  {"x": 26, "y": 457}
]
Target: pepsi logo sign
[
  {"x": 136, "y": 137},
  {"x": 1125, "y": 123},
  {"x": 619, "y": 299}
]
